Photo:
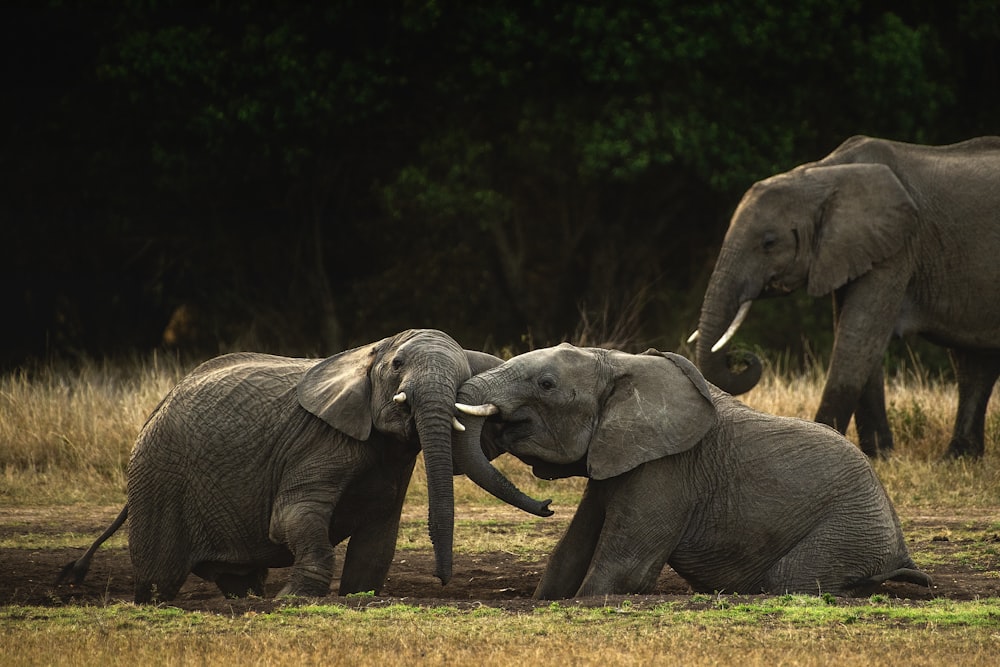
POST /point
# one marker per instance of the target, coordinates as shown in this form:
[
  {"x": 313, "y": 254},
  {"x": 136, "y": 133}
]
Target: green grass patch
[
  {"x": 31, "y": 540},
  {"x": 800, "y": 629}
]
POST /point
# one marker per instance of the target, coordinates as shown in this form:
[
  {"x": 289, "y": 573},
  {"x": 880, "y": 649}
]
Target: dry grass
[
  {"x": 67, "y": 433},
  {"x": 66, "y": 436}
]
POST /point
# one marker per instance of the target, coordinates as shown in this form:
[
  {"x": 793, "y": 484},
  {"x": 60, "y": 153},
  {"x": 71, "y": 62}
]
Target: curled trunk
[
  {"x": 735, "y": 373},
  {"x": 471, "y": 460}
]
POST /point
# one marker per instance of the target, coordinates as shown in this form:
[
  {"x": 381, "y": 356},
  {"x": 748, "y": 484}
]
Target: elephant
[
  {"x": 255, "y": 461},
  {"x": 680, "y": 472},
  {"x": 906, "y": 238}
]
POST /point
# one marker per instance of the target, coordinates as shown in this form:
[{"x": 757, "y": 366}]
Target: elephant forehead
[
  {"x": 424, "y": 333},
  {"x": 778, "y": 192},
  {"x": 424, "y": 340},
  {"x": 561, "y": 359}
]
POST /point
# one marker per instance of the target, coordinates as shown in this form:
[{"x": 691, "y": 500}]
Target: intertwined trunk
[
  {"x": 473, "y": 462},
  {"x": 432, "y": 414},
  {"x": 433, "y": 411}
]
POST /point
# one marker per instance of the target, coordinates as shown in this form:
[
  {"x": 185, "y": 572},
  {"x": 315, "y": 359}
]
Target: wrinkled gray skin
[
  {"x": 682, "y": 473},
  {"x": 255, "y": 461},
  {"x": 906, "y": 237}
]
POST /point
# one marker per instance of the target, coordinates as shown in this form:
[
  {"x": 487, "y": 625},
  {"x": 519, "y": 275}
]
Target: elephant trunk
[
  {"x": 724, "y": 306},
  {"x": 471, "y": 459},
  {"x": 433, "y": 422}
]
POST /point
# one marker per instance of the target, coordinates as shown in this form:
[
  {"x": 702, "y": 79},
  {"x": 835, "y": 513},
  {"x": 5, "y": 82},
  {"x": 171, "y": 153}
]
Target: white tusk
[
  {"x": 400, "y": 397},
  {"x": 457, "y": 425},
  {"x": 484, "y": 410},
  {"x": 741, "y": 315},
  {"x": 693, "y": 337}
]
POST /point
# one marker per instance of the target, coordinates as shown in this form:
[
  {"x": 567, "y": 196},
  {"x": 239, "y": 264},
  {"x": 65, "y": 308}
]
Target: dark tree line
[{"x": 303, "y": 178}]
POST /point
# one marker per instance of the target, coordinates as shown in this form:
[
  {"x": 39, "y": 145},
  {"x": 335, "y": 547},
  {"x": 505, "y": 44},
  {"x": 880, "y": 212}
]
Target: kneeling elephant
[{"x": 682, "y": 473}]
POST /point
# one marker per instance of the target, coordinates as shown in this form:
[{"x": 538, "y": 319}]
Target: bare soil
[{"x": 964, "y": 548}]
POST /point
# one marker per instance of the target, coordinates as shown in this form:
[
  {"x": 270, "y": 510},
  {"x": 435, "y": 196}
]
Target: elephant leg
[
  {"x": 160, "y": 550},
  {"x": 304, "y": 527},
  {"x": 571, "y": 558},
  {"x": 242, "y": 585},
  {"x": 865, "y": 313},
  {"x": 977, "y": 373},
  {"x": 628, "y": 559},
  {"x": 642, "y": 526},
  {"x": 369, "y": 556},
  {"x": 812, "y": 566},
  {"x": 158, "y": 589},
  {"x": 373, "y": 542},
  {"x": 874, "y": 434},
  {"x": 233, "y": 580}
]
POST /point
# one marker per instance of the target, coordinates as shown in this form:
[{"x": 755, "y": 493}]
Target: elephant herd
[{"x": 255, "y": 461}]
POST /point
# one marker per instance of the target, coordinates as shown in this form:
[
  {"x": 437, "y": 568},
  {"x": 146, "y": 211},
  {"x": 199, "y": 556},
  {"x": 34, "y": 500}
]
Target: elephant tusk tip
[
  {"x": 400, "y": 397},
  {"x": 484, "y": 410},
  {"x": 741, "y": 315},
  {"x": 457, "y": 425},
  {"x": 693, "y": 337}
]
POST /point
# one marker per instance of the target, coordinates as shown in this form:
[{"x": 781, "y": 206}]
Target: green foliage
[{"x": 311, "y": 177}]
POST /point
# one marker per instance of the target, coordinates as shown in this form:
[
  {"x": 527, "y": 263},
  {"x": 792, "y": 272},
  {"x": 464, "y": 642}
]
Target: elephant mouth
[
  {"x": 397, "y": 418},
  {"x": 776, "y": 287},
  {"x": 773, "y": 290},
  {"x": 544, "y": 470},
  {"x": 510, "y": 429}
]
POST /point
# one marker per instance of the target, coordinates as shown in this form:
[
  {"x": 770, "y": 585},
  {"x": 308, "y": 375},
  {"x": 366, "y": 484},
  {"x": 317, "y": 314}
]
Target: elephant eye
[
  {"x": 546, "y": 383},
  {"x": 397, "y": 363},
  {"x": 770, "y": 240}
]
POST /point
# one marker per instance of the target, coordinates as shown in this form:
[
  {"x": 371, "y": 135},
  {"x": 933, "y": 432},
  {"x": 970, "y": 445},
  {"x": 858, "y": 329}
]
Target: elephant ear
[
  {"x": 867, "y": 217},
  {"x": 480, "y": 362},
  {"x": 338, "y": 390},
  {"x": 660, "y": 405}
]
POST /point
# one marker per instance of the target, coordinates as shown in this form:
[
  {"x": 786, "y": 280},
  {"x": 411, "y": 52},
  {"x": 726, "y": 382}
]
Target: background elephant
[
  {"x": 255, "y": 461},
  {"x": 906, "y": 237},
  {"x": 682, "y": 473}
]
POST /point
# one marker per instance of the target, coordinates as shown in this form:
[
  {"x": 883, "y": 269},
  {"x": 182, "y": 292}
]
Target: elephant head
[
  {"x": 817, "y": 227},
  {"x": 405, "y": 386},
  {"x": 600, "y": 413}
]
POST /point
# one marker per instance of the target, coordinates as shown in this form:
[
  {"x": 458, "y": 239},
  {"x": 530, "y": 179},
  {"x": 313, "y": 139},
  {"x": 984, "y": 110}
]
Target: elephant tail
[{"x": 78, "y": 568}]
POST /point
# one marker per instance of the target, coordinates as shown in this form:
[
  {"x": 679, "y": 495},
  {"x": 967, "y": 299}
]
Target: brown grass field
[{"x": 64, "y": 443}]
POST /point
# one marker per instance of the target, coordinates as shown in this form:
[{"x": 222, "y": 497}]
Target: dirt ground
[{"x": 964, "y": 550}]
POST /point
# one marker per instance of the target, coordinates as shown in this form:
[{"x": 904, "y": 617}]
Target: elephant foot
[
  {"x": 291, "y": 590},
  {"x": 963, "y": 449},
  {"x": 242, "y": 585},
  {"x": 873, "y": 451},
  {"x": 876, "y": 446},
  {"x": 307, "y": 583}
]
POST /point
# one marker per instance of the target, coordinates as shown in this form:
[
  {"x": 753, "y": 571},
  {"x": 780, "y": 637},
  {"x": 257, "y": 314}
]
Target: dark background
[{"x": 303, "y": 179}]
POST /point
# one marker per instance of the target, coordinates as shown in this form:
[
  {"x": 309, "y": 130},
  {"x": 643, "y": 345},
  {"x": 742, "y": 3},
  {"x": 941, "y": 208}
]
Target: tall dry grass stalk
[{"x": 66, "y": 434}]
